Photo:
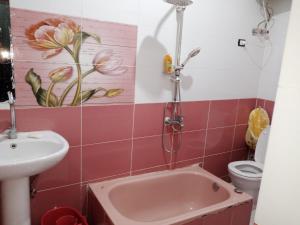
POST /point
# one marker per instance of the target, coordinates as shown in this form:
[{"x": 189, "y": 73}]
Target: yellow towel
[{"x": 258, "y": 120}]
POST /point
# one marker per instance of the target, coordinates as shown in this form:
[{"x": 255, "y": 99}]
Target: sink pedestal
[{"x": 15, "y": 202}]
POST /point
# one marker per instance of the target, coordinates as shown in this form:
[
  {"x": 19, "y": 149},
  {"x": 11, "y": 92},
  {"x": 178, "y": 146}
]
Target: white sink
[{"x": 30, "y": 154}]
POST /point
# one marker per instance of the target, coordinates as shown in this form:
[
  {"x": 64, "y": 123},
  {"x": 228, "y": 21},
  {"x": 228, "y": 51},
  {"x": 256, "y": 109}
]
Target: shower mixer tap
[{"x": 176, "y": 120}]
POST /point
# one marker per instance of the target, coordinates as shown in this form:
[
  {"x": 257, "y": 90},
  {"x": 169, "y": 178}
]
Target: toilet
[{"x": 246, "y": 175}]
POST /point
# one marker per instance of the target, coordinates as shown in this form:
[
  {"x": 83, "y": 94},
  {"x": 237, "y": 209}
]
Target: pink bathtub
[{"x": 177, "y": 197}]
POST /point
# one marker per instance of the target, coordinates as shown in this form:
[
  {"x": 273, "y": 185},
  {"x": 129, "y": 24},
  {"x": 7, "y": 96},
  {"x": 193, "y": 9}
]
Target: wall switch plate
[{"x": 242, "y": 43}]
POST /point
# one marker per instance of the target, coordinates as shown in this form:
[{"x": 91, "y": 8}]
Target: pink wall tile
[
  {"x": 106, "y": 159},
  {"x": 65, "y": 173},
  {"x": 221, "y": 218},
  {"x": 148, "y": 119},
  {"x": 151, "y": 170},
  {"x": 180, "y": 164},
  {"x": 245, "y": 106},
  {"x": 65, "y": 121},
  {"x": 239, "y": 155},
  {"x": 192, "y": 145},
  {"x": 148, "y": 152},
  {"x": 46, "y": 200},
  {"x": 124, "y": 81},
  {"x": 269, "y": 108},
  {"x": 4, "y": 120},
  {"x": 217, "y": 164},
  {"x": 260, "y": 102},
  {"x": 21, "y": 20},
  {"x": 222, "y": 113},
  {"x": 239, "y": 137},
  {"x": 195, "y": 115},
  {"x": 106, "y": 123},
  {"x": 226, "y": 178},
  {"x": 198, "y": 221},
  {"x": 112, "y": 33},
  {"x": 119, "y": 38},
  {"x": 219, "y": 140},
  {"x": 241, "y": 214}
]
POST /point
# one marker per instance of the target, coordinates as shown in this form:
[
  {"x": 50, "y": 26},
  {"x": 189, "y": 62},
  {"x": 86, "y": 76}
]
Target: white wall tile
[
  {"x": 65, "y": 7},
  {"x": 273, "y": 57},
  {"x": 119, "y": 11},
  {"x": 221, "y": 71},
  {"x": 212, "y": 25}
]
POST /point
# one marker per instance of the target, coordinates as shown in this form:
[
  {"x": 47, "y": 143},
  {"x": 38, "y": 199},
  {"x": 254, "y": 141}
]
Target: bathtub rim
[{"x": 101, "y": 191}]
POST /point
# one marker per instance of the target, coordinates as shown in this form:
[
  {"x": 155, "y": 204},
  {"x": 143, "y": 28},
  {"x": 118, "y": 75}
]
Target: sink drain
[{"x": 13, "y": 146}]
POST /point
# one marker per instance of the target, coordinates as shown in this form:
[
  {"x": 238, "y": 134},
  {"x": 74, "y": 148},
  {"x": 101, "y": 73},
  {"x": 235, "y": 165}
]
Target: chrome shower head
[
  {"x": 192, "y": 54},
  {"x": 181, "y": 3}
]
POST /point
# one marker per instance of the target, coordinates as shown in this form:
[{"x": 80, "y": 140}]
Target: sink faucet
[{"x": 12, "y": 132}]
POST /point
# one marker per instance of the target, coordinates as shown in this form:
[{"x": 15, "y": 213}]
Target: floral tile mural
[{"x": 67, "y": 61}]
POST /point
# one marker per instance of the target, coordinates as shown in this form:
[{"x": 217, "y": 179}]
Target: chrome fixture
[
  {"x": 182, "y": 3},
  {"x": 263, "y": 28},
  {"x": 12, "y": 132},
  {"x": 176, "y": 120},
  {"x": 192, "y": 54}
]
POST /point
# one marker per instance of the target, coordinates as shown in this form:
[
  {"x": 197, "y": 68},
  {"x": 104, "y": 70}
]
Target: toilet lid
[{"x": 261, "y": 146}]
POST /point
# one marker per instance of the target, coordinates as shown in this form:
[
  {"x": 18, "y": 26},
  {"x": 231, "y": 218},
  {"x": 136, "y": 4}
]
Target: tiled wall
[
  {"x": 119, "y": 138},
  {"x": 109, "y": 141}
]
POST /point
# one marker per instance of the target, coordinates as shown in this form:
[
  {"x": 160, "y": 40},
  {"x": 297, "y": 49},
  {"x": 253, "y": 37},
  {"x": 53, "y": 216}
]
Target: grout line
[
  {"x": 239, "y": 149},
  {"x": 187, "y": 160},
  {"x": 106, "y": 142},
  {"x": 59, "y": 187},
  {"x": 206, "y": 132},
  {"x": 217, "y": 154},
  {"x": 100, "y": 179},
  {"x": 235, "y": 126},
  {"x": 264, "y": 104},
  {"x": 155, "y": 135}
]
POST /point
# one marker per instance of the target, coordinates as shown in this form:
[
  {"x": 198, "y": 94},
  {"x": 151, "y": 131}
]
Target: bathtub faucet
[{"x": 12, "y": 132}]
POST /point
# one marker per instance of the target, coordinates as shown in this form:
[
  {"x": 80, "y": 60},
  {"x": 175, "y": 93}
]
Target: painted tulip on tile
[
  {"x": 51, "y": 35},
  {"x": 61, "y": 74},
  {"x": 108, "y": 63}
]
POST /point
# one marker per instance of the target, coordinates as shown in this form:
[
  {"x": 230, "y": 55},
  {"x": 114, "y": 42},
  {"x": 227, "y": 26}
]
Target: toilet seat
[{"x": 247, "y": 169}]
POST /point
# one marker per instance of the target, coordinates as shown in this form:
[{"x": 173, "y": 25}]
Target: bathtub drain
[{"x": 215, "y": 187}]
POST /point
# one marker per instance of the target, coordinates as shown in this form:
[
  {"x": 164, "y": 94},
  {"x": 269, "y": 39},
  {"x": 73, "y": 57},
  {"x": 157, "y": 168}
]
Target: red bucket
[{"x": 63, "y": 216}]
